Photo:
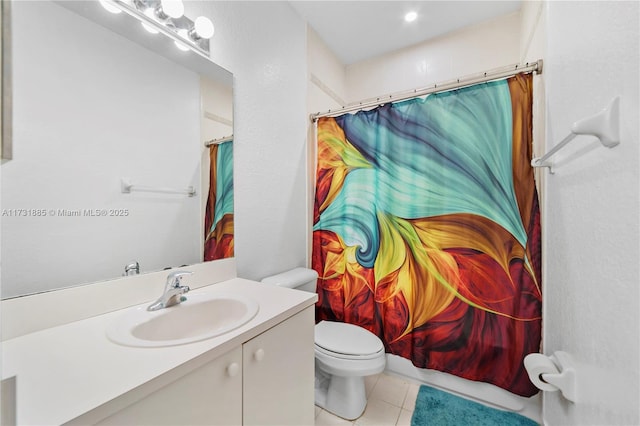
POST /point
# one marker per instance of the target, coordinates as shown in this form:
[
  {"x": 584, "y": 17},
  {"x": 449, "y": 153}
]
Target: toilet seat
[
  {"x": 347, "y": 341},
  {"x": 348, "y": 356}
]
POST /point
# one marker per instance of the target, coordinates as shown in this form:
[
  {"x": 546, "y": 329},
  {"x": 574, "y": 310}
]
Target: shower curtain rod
[
  {"x": 218, "y": 141},
  {"x": 496, "y": 74}
]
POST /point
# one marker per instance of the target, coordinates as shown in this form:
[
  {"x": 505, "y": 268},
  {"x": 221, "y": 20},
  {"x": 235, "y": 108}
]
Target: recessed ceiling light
[{"x": 411, "y": 16}]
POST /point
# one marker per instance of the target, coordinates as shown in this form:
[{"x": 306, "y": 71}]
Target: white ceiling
[{"x": 357, "y": 30}]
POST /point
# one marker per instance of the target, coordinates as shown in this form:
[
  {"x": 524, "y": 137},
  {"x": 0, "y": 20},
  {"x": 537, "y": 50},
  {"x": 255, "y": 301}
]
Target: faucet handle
[
  {"x": 132, "y": 268},
  {"x": 174, "y": 279}
]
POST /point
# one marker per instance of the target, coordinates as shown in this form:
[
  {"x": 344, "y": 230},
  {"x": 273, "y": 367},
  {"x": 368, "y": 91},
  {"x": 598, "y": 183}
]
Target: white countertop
[{"x": 70, "y": 370}]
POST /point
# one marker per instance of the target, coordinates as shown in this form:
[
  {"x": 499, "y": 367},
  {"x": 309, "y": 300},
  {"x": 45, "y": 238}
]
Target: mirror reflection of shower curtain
[
  {"x": 218, "y": 223},
  {"x": 427, "y": 229}
]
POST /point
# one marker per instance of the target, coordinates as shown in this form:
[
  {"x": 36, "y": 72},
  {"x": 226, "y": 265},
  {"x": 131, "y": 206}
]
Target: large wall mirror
[{"x": 94, "y": 107}]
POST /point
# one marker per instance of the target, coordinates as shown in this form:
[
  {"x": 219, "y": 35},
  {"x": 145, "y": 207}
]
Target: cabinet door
[
  {"x": 209, "y": 395},
  {"x": 278, "y": 374}
]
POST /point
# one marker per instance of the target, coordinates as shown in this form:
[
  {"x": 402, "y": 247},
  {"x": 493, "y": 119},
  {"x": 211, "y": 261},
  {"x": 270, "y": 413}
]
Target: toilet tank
[{"x": 299, "y": 278}]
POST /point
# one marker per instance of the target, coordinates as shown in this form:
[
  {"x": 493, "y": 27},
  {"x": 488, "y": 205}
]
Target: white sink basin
[{"x": 200, "y": 317}]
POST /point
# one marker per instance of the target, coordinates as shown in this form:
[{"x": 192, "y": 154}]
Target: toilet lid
[{"x": 348, "y": 339}]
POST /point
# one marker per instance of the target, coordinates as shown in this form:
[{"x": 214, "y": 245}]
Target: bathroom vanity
[{"x": 259, "y": 373}]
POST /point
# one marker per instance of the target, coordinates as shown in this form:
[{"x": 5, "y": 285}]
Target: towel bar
[{"x": 605, "y": 125}]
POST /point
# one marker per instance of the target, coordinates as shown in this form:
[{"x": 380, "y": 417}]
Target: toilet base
[{"x": 343, "y": 396}]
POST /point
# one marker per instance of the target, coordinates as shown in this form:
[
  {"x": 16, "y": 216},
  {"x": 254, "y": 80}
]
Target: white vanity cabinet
[
  {"x": 268, "y": 380},
  {"x": 209, "y": 395},
  {"x": 278, "y": 374}
]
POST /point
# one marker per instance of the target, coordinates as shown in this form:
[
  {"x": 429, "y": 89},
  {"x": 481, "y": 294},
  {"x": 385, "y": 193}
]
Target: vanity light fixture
[{"x": 167, "y": 17}]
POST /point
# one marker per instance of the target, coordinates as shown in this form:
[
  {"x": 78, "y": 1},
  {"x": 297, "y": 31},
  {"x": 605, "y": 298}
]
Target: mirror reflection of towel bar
[
  {"x": 127, "y": 187},
  {"x": 605, "y": 125}
]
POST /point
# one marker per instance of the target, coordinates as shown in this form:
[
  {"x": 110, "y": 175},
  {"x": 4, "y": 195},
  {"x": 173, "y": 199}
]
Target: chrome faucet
[{"x": 173, "y": 291}]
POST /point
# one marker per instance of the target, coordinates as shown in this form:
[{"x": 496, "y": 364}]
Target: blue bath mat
[{"x": 437, "y": 408}]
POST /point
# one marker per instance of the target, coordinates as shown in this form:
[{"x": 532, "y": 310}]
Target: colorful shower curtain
[
  {"x": 218, "y": 223},
  {"x": 427, "y": 229}
]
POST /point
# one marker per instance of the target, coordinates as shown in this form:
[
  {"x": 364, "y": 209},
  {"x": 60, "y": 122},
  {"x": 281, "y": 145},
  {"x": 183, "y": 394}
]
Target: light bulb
[
  {"x": 203, "y": 27},
  {"x": 411, "y": 16},
  {"x": 109, "y": 6},
  {"x": 149, "y": 13},
  {"x": 179, "y": 44},
  {"x": 172, "y": 8}
]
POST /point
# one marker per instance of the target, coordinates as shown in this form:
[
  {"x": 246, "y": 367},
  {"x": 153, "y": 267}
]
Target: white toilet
[{"x": 345, "y": 354}]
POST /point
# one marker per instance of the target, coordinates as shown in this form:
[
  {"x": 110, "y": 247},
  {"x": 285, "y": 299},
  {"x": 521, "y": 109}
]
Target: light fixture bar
[{"x": 171, "y": 27}]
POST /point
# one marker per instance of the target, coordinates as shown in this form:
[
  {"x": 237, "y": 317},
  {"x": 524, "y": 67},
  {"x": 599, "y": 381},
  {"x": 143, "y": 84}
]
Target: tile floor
[{"x": 390, "y": 401}]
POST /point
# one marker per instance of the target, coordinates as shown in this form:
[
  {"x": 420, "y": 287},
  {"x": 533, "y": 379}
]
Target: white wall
[
  {"x": 478, "y": 48},
  {"x": 592, "y": 212},
  {"x": 326, "y": 90},
  {"x": 88, "y": 111},
  {"x": 264, "y": 45},
  {"x": 327, "y": 76}
]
